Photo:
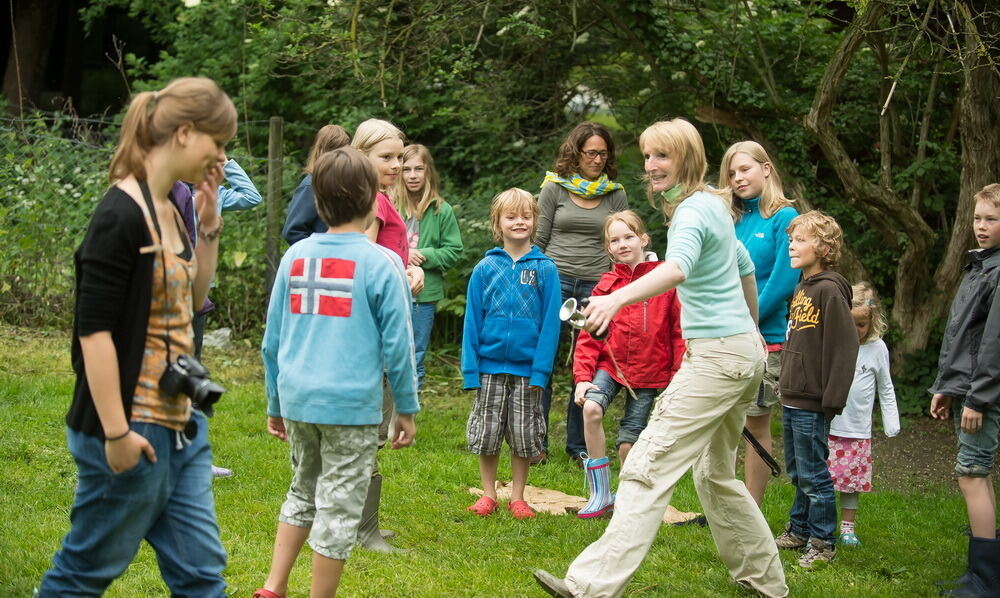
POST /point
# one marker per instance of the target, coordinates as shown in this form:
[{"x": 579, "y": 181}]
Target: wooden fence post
[{"x": 275, "y": 202}]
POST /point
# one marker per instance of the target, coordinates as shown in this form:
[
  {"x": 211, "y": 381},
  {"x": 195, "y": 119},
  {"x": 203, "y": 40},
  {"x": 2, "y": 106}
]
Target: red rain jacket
[{"x": 645, "y": 337}]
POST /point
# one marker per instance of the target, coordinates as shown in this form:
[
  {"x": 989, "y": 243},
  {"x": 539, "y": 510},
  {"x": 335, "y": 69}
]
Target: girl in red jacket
[{"x": 642, "y": 351}]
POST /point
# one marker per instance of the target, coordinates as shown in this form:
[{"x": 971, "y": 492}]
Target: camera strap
[{"x": 149, "y": 212}]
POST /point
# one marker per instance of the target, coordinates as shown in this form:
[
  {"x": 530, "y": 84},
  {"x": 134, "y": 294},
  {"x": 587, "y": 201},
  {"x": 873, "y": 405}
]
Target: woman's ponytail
[
  {"x": 134, "y": 141},
  {"x": 153, "y": 116}
]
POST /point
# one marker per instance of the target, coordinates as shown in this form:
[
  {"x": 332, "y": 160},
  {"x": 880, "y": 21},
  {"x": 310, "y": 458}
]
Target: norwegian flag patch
[{"x": 321, "y": 286}]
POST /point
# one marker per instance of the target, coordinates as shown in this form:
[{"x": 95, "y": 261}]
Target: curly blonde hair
[
  {"x": 866, "y": 296},
  {"x": 827, "y": 233}
]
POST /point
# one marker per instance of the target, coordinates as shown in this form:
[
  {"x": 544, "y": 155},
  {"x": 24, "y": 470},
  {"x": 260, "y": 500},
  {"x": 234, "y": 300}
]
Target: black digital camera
[{"x": 188, "y": 376}]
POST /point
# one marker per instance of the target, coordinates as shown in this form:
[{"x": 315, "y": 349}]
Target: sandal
[
  {"x": 520, "y": 509},
  {"x": 264, "y": 593},
  {"x": 484, "y": 506}
]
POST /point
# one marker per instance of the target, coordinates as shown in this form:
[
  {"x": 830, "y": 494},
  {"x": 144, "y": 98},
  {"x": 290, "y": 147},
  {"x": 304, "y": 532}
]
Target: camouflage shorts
[{"x": 332, "y": 466}]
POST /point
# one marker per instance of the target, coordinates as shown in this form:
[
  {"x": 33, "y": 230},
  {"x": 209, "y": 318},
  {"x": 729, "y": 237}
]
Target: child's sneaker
[
  {"x": 849, "y": 539},
  {"x": 789, "y": 540},
  {"x": 818, "y": 550}
]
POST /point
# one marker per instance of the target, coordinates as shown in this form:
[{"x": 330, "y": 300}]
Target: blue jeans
[
  {"x": 423, "y": 323},
  {"x": 168, "y": 503},
  {"x": 637, "y": 410},
  {"x": 814, "y": 510},
  {"x": 575, "y": 442}
]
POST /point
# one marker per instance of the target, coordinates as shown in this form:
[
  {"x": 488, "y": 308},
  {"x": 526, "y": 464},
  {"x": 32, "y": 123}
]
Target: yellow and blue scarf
[{"x": 584, "y": 188}]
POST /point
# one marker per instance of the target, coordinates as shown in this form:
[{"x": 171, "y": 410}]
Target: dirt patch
[{"x": 922, "y": 455}]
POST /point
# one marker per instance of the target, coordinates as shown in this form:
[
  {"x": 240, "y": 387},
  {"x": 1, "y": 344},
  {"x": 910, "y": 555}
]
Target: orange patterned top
[{"x": 171, "y": 306}]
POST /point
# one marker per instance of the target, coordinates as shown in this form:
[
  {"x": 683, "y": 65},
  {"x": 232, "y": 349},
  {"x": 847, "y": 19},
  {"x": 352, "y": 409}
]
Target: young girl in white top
[{"x": 850, "y": 460}]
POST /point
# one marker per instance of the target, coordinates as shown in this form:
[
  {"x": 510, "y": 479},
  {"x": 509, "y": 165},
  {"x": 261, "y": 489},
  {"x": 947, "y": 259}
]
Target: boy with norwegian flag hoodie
[{"x": 641, "y": 353}]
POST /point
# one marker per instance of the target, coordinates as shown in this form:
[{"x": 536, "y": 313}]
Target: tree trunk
[
  {"x": 979, "y": 113},
  {"x": 888, "y": 213},
  {"x": 29, "y": 50}
]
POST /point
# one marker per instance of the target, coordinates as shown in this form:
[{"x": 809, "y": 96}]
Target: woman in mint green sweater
[{"x": 435, "y": 241}]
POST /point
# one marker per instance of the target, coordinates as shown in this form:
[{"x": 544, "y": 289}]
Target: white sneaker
[{"x": 221, "y": 472}]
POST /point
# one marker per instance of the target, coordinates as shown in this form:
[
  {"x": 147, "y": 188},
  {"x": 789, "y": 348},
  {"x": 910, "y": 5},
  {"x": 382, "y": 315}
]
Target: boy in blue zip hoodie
[
  {"x": 508, "y": 347},
  {"x": 339, "y": 315}
]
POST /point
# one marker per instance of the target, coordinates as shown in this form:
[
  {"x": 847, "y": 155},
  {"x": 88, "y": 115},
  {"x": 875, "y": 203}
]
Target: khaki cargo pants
[{"x": 696, "y": 422}]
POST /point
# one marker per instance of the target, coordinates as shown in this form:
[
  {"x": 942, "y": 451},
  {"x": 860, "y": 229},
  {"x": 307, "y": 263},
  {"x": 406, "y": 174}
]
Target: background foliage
[{"x": 492, "y": 86}]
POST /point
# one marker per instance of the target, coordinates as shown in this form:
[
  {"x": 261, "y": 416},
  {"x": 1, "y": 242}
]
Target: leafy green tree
[{"x": 877, "y": 111}]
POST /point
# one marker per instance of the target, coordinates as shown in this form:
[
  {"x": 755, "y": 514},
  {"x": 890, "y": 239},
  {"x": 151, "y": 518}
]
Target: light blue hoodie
[
  {"x": 702, "y": 243},
  {"x": 339, "y": 316},
  {"x": 511, "y": 318}
]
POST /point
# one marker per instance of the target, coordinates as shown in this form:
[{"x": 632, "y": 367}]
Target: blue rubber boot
[{"x": 598, "y": 473}]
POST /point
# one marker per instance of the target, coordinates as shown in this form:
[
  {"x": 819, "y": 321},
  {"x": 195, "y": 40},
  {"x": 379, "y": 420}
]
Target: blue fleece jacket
[
  {"x": 339, "y": 315},
  {"x": 767, "y": 242},
  {"x": 511, "y": 318}
]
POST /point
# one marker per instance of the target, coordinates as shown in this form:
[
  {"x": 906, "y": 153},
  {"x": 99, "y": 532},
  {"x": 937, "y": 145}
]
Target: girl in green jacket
[{"x": 435, "y": 241}]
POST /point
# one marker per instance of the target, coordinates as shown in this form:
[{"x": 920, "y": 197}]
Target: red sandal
[
  {"x": 520, "y": 509},
  {"x": 265, "y": 593},
  {"x": 484, "y": 506}
]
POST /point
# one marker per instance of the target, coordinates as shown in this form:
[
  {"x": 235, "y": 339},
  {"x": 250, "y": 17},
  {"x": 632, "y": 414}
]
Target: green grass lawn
[{"x": 910, "y": 538}]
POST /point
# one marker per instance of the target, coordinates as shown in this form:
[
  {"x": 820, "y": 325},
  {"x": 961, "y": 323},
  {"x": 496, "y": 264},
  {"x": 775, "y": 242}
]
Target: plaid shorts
[
  {"x": 506, "y": 408},
  {"x": 332, "y": 466}
]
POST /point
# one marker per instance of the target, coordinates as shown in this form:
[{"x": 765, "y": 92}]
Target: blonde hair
[
  {"x": 989, "y": 194},
  {"x": 772, "y": 196},
  {"x": 153, "y": 116},
  {"x": 866, "y": 296},
  {"x": 328, "y": 138},
  {"x": 373, "y": 132},
  {"x": 517, "y": 201},
  {"x": 429, "y": 194},
  {"x": 827, "y": 232},
  {"x": 680, "y": 140},
  {"x": 629, "y": 219}
]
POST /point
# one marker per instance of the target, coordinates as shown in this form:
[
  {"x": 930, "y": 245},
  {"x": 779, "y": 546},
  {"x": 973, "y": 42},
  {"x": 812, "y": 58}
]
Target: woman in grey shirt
[{"x": 574, "y": 202}]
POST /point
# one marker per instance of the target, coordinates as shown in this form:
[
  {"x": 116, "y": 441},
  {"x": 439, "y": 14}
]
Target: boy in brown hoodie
[{"x": 817, "y": 367}]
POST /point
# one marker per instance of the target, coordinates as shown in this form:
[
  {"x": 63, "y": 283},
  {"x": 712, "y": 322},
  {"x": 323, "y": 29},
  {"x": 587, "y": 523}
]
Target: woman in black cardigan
[{"x": 140, "y": 446}]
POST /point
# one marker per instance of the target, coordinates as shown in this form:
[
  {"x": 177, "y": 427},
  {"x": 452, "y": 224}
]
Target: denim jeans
[
  {"x": 423, "y": 323},
  {"x": 976, "y": 451},
  {"x": 814, "y": 510},
  {"x": 636, "y": 410},
  {"x": 575, "y": 442},
  {"x": 168, "y": 503}
]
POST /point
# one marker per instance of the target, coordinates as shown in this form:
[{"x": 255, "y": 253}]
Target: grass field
[{"x": 910, "y": 537}]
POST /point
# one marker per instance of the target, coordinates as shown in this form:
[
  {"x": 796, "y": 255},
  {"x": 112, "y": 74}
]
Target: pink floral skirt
[{"x": 850, "y": 464}]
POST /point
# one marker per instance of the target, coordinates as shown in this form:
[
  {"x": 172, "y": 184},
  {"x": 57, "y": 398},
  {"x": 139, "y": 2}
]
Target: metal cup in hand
[{"x": 571, "y": 314}]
